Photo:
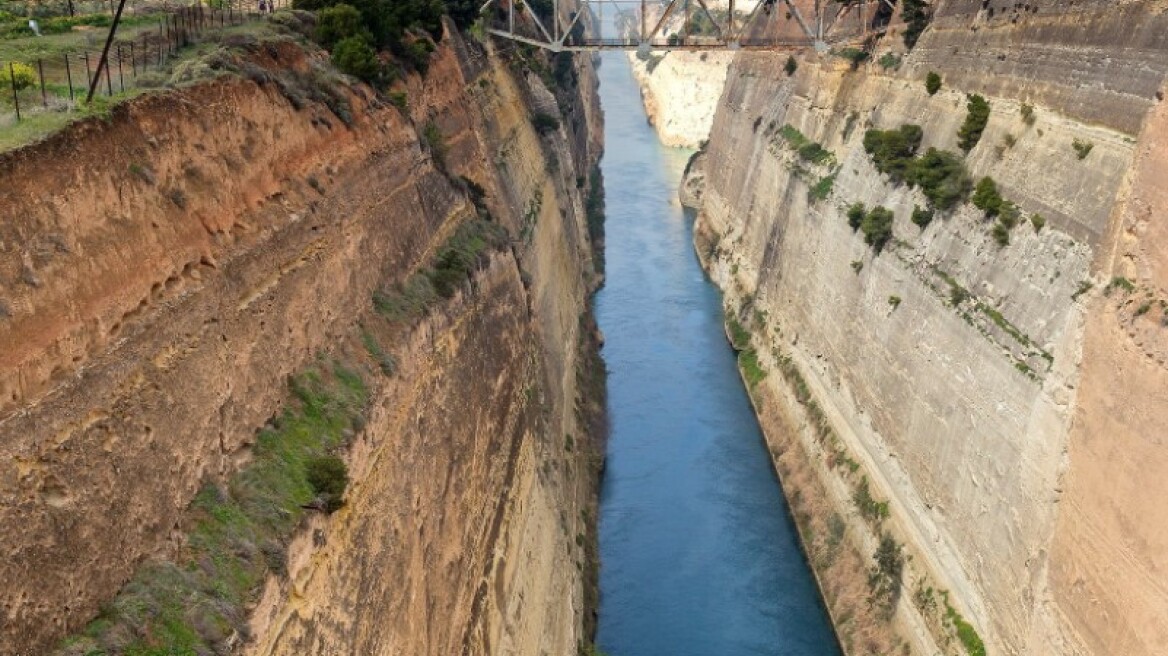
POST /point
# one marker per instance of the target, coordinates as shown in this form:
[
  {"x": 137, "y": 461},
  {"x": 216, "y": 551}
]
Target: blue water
[{"x": 698, "y": 553}]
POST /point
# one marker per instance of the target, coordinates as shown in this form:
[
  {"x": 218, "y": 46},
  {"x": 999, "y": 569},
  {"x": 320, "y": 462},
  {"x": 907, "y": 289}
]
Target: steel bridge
[{"x": 579, "y": 25}]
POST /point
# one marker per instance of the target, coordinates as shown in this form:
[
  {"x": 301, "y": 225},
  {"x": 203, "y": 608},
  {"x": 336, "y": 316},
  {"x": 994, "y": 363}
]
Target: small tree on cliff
[
  {"x": 916, "y": 17},
  {"x": 791, "y": 65},
  {"x": 932, "y": 83},
  {"x": 352, "y": 55},
  {"x": 975, "y": 122},
  {"x": 337, "y": 23}
]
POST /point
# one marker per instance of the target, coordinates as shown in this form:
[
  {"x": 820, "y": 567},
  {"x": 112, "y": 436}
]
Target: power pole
[{"x": 104, "y": 61}]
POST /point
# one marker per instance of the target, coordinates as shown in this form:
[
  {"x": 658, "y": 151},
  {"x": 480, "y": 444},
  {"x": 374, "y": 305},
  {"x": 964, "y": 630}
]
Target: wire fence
[{"x": 61, "y": 82}]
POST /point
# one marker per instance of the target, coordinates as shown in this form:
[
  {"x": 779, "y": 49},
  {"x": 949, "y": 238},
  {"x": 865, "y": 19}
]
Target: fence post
[
  {"x": 88, "y": 75},
  {"x": 41, "y": 72},
  {"x": 133, "y": 62},
  {"x": 69, "y": 76},
  {"x": 15, "y": 97},
  {"x": 109, "y": 82}
]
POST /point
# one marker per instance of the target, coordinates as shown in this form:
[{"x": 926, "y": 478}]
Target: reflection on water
[{"x": 698, "y": 554}]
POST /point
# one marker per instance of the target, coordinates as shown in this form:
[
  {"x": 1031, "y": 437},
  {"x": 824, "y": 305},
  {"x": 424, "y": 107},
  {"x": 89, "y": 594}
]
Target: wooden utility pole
[{"x": 104, "y": 61}]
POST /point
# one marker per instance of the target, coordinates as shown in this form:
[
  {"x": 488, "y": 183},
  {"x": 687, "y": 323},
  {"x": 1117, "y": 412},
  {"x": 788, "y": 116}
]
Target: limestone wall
[{"x": 951, "y": 368}]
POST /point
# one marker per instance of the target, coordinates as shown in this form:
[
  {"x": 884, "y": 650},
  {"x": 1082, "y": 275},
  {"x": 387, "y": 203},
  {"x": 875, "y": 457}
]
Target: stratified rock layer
[
  {"x": 163, "y": 274},
  {"x": 1004, "y": 399}
]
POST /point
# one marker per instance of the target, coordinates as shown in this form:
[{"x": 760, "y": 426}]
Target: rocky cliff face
[
  {"x": 986, "y": 396},
  {"x": 163, "y": 273},
  {"x": 680, "y": 90}
]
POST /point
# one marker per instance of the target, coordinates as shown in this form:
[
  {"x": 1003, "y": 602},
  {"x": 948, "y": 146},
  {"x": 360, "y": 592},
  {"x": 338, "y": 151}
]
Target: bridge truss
[{"x": 654, "y": 24}]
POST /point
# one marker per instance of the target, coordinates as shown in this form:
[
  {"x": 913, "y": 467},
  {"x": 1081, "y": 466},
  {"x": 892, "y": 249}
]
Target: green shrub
[
  {"x": 916, "y": 17},
  {"x": 968, "y": 636},
  {"x": 399, "y": 99},
  {"x": 1001, "y": 234},
  {"x": 328, "y": 476},
  {"x": 814, "y": 153},
  {"x": 791, "y": 66},
  {"x": 792, "y": 136},
  {"x": 885, "y": 578},
  {"x": 854, "y": 55},
  {"x": 1037, "y": 221},
  {"x": 869, "y": 508},
  {"x": 932, "y": 83},
  {"x": 922, "y": 217},
  {"x": 1082, "y": 148},
  {"x": 464, "y": 253},
  {"x": 855, "y": 215},
  {"x": 1009, "y": 214},
  {"x": 339, "y": 22},
  {"x": 821, "y": 189},
  {"x": 1028, "y": 116},
  {"x": 1119, "y": 282},
  {"x": 416, "y": 54},
  {"x": 23, "y": 74},
  {"x": 353, "y": 56},
  {"x": 976, "y": 118},
  {"x": 942, "y": 178},
  {"x": 889, "y": 60},
  {"x": 986, "y": 197},
  {"x": 877, "y": 227},
  {"x": 892, "y": 151},
  {"x": 894, "y": 301}
]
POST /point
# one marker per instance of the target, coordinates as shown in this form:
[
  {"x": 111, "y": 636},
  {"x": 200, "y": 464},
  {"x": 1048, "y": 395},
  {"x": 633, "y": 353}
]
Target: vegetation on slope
[{"x": 237, "y": 530}]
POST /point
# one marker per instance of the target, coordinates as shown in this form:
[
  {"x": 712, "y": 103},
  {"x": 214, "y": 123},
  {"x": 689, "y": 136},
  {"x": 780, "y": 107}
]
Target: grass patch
[
  {"x": 966, "y": 634},
  {"x": 385, "y": 361},
  {"x": 821, "y": 189},
  {"x": 1120, "y": 283},
  {"x": 870, "y": 509},
  {"x": 236, "y": 533},
  {"x": 462, "y": 254}
]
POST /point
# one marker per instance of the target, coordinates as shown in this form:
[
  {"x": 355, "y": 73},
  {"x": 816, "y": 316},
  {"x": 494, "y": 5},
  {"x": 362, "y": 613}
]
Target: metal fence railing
[{"x": 59, "y": 83}]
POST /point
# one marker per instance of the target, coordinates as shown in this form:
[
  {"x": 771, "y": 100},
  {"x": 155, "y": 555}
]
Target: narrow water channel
[{"x": 698, "y": 554}]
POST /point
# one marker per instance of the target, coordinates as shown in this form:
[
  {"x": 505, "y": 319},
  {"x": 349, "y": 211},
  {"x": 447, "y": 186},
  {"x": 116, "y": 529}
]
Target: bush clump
[
  {"x": 23, "y": 75},
  {"x": 877, "y": 227},
  {"x": 337, "y": 23},
  {"x": 353, "y": 56},
  {"x": 922, "y": 217},
  {"x": 976, "y": 118},
  {"x": 986, "y": 197},
  {"x": 328, "y": 476},
  {"x": 942, "y": 178},
  {"x": 941, "y": 175},
  {"x": 892, "y": 151},
  {"x": 855, "y": 215},
  {"x": 1082, "y": 148},
  {"x": 791, "y": 66},
  {"x": 916, "y": 17},
  {"x": 932, "y": 83},
  {"x": 885, "y": 578}
]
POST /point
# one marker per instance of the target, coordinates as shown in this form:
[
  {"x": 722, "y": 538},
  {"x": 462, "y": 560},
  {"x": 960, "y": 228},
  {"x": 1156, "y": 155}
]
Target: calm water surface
[{"x": 699, "y": 556}]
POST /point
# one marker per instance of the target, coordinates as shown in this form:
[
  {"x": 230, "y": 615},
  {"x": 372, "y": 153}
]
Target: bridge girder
[{"x": 640, "y": 31}]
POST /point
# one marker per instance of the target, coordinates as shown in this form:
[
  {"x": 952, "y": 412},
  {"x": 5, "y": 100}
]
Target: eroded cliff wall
[
  {"x": 164, "y": 273},
  {"x": 968, "y": 378}
]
